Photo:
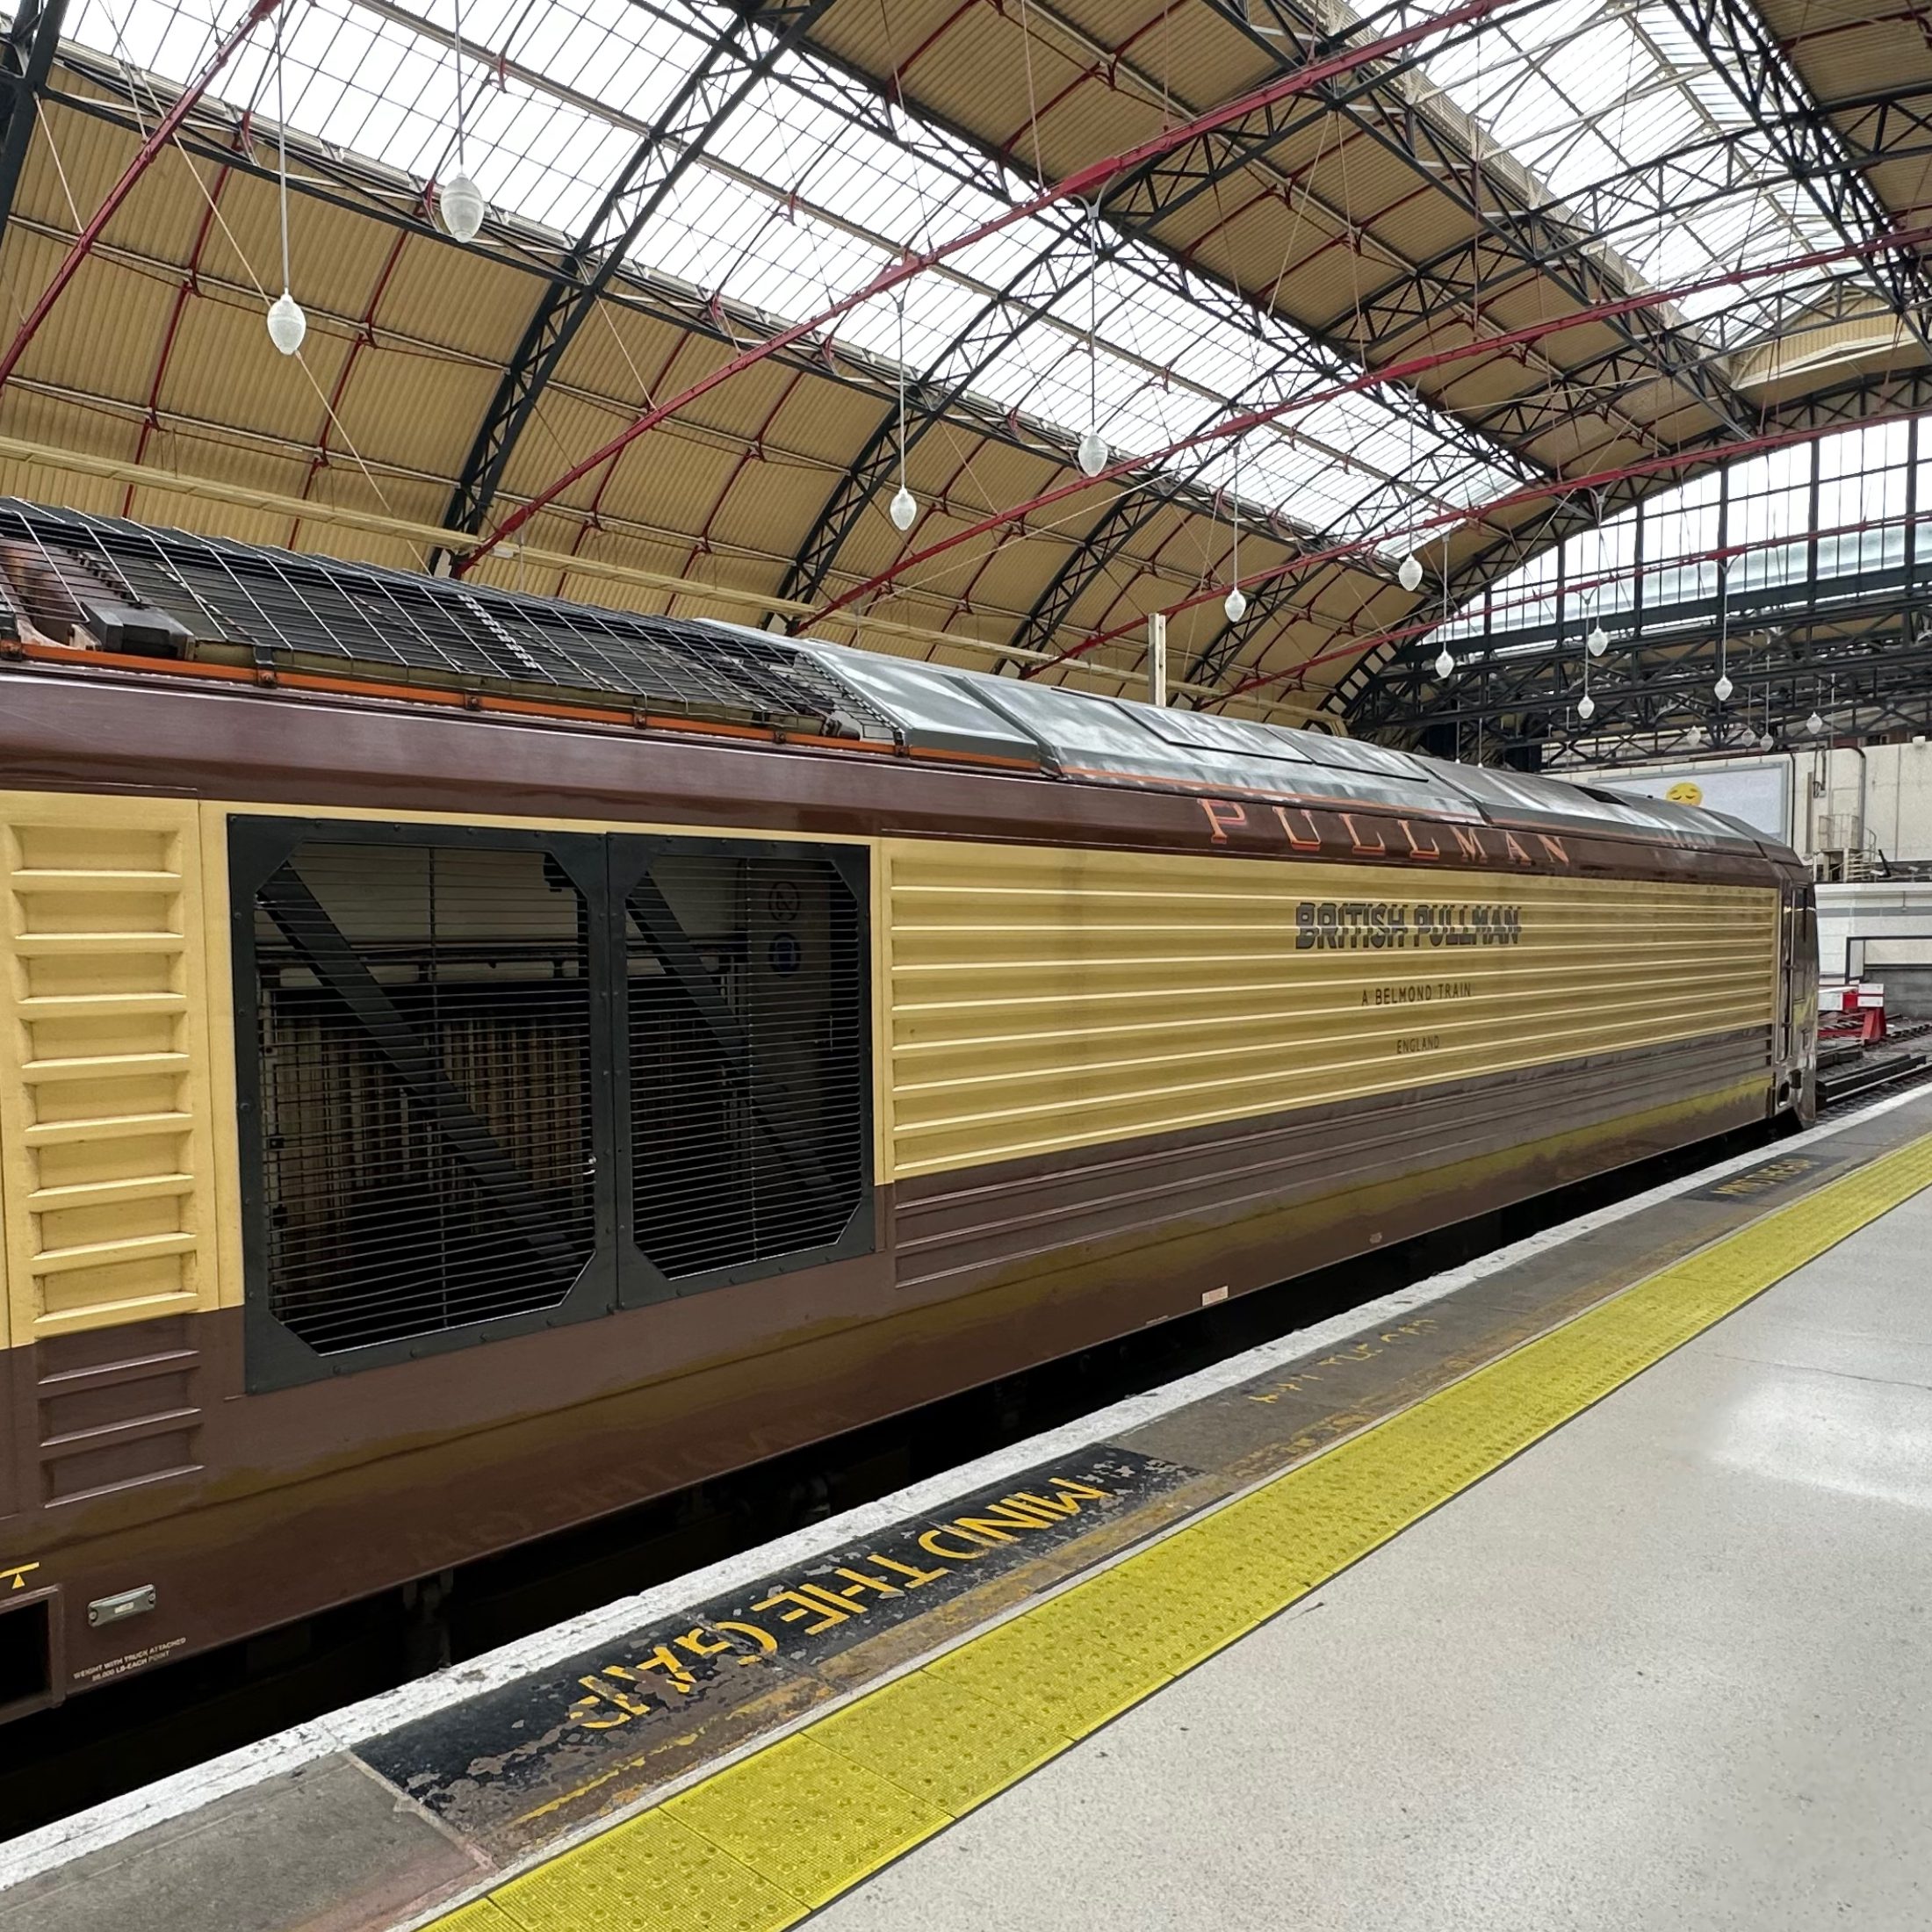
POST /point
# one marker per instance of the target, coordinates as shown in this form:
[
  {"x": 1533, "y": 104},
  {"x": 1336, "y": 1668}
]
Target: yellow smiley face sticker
[{"x": 1685, "y": 792}]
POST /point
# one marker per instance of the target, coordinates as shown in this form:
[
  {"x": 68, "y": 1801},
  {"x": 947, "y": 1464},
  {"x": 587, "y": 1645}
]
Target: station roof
[{"x": 1436, "y": 279}]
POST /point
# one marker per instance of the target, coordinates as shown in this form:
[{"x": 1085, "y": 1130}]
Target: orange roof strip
[{"x": 479, "y": 701}]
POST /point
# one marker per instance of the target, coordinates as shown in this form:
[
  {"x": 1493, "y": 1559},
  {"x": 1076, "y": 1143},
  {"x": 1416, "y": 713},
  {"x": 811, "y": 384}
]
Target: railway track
[{"x": 1847, "y": 1069}]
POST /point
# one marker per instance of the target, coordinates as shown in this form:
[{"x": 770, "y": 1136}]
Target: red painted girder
[
  {"x": 1082, "y": 184},
  {"x": 164, "y": 132},
  {"x": 1374, "y": 378}
]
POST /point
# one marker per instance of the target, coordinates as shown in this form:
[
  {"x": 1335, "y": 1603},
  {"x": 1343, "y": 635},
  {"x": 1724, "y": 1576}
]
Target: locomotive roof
[{"x": 67, "y": 578}]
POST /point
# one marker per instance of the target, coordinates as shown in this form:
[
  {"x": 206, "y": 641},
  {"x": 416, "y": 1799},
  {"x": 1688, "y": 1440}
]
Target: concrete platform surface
[{"x": 1668, "y": 1668}]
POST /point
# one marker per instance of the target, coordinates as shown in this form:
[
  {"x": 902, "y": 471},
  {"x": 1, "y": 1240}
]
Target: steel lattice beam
[
  {"x": 1411, "y": 132},
  {"x": 1136, "y": 206},
  {"x": 732, "y": 65},
  {"x": 1379, "y": 693},
  {"x": 1761, "y": 75},
  {"x": 1563, "y": 517},
  {"x": 26, "y": 58},
  {"x": 1407, "y": 373},
  {"x": 1584, "y": 489},
  {"x": 1878, "y": 655},
  {"x": 1253, "y": 115},
  {"x": 1891, "y": 124},
  {"x": 1513, "y": 239}
]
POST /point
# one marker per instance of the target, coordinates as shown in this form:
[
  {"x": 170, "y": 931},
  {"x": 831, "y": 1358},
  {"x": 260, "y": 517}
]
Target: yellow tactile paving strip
[{"x": 767, "y": 1841}]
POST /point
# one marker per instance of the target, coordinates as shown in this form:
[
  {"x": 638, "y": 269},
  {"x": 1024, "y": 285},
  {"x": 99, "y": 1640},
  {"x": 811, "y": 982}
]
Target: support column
[{"x": 1157, "y": 658}]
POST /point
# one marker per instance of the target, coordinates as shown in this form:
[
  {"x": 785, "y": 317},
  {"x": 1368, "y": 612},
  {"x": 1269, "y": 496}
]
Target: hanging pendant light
[
  {"x": 1092, "y": 451},
  {"x": 459, "y": 201},
  {"x": 1598, "y": 642},
  {"x": 1722, "y": 690},
  {"x": 1586, "y": 707},
  {"x": 287, "y": 324},
  {"x": 903, "y": 509},
  {"x": 1766, "y": 742},
  {"x": 1814, "y": 723},
  {"x": 1445, "y": 663},
  {"x": 1694, "y": 736},
  {"x": 1408, "y": 572},
  {"x": 1235, "y": 603}
]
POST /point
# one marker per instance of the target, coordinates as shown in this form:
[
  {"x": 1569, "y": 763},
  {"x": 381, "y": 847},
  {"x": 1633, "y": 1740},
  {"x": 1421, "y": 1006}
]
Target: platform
[{"x": 1575, "y": 1588}]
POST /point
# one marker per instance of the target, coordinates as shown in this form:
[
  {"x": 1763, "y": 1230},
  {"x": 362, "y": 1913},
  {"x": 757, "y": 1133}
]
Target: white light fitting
[
  {"x": 287, "y": 324},
  {"x": 459, "y": 201}
]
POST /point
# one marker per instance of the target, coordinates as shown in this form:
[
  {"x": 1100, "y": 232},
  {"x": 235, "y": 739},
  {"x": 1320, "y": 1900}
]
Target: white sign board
[{"x": 1759, "y": 794}]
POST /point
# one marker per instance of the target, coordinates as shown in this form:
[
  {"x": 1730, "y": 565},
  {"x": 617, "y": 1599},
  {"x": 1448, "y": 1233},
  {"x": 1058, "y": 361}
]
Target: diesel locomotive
[{"x": 470, "y": 1063}]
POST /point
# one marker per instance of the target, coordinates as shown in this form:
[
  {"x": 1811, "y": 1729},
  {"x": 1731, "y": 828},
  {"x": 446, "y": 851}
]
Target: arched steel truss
[
  {"x": 1188, "y": 149},
  {"x": 1153, "y": 195},
  {"x": 26, "y": 58},
  {"x": 1512, "y": 241},
  {"x": 734, "y": 64}
]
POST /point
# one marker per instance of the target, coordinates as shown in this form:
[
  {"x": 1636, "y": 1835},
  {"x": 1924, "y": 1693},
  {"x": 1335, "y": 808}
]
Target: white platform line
[{"x": 202, "y": 1784}]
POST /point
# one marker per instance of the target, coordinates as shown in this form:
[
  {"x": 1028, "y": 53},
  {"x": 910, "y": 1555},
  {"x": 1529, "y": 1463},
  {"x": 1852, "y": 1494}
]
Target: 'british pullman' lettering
[{"x": 1357, "y": 925}]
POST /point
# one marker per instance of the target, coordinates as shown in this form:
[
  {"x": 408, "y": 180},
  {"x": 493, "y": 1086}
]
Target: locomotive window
[{"x": 749, "y": 1078}]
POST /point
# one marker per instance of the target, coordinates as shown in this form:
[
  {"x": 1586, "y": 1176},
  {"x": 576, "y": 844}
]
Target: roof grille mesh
[{"x": 289, "y": 608}]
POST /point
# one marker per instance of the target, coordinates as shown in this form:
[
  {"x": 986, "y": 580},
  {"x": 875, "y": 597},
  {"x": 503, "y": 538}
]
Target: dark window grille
[
  {"x": 425, "y": 1034},
  {"x": 749, "y": 1058}
]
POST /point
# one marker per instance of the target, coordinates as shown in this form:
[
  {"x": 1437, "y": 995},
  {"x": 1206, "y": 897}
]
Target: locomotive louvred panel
[
  {"x": 105, "y": 1104},
  {"x": 425, "y": 1045},
  {"x": 1044, "y": 1000},
  {"x": 748, "y": 1061}
]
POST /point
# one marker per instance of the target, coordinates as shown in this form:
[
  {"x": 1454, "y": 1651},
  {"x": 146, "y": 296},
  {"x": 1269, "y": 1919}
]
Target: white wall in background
[
  {"x": 1879, "y": 795},
  {"x": 1758, "y": 791}
]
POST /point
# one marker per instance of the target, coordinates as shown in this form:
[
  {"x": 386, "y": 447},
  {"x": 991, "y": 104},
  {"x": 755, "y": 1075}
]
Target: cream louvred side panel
[
  {"x": 1043, "y": 998},
  {"x": 105, "y": 1143}
]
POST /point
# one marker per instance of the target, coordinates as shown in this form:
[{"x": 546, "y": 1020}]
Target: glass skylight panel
[
  {"x": 1617, "y": 109},
  {"x": 1862, "y": 512},
  {"x": 794, "y": 206}
]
